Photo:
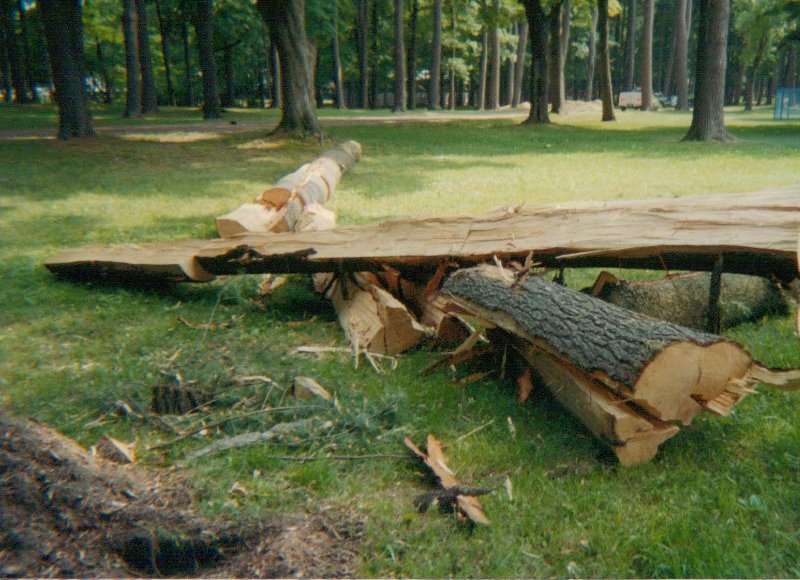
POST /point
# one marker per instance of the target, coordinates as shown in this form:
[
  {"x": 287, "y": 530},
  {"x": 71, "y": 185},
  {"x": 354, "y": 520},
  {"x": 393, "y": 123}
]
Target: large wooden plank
[{"x": 757, "y": 233}]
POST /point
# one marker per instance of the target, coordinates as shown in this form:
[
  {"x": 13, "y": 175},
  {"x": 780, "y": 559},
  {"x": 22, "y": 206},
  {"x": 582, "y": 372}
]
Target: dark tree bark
[
  {"x": 275, "y": 67},
  {"x": 187, "y": 64},
  {"x": 374, "y": 38},
  {"x": 204, "y": 26},
  {"x": 30, "y": 79},
  {"x": 133, "y": 90},
  {"x": 590, "y": 69},
  {"x": 752, "y": 72},
  {"x": 511, "y": 76},
  {"x": 537, "y": 26},
  {"x": 229, "y": 96},
  {"x": 452, "y": 72},
  {"x": 399, "y": 58},
  {"x": 338, "y": 75},
  {"x": 480, "y": 101},
  {"x": 554, "y": 65},
  {"x": 363, "y": 53},
  {"x": 494, "y": 62},
  {"x": 646, "y": 55},
  {"x": 412, "y": 57},
  {"x": 286, "y": 23},
  {"x": 681, "y": 57},
  {"x": 102, "y": 69},
  {"x": 63, "y": 31},
  {"x": 606, "y": 90},
  {"x": 13, "y": 52},
  {"x": 566, "y": 23},
  {"x": 149, "y": 93},
  {"x": 791, "y": 68},
  {"x": 5, "y": 70},
  {"x": 667, "y": 84},
  {"x": 436, "y": 57},
  {"x": 164, "y": 33},
  {"x": 519, "y": 66},
  {"x": 630, "y": 47},
  {"x": 708, "y": 118}
]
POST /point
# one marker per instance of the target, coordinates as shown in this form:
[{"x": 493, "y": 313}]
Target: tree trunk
[
  {"x": 30, "y": 80},
  {"x": 399, "y": 59},
  {"x": 103, "y": 70},
  {"x": 275, "y": 67},
  {"x": 752, "y": 72},
  {"x": 493, "y": 100},
  {"x": 436, "y": 57},
  {"x": 511, "y": 74},
  {"x": 287, "y": 27},
  {"x": 228, "y": 97},
  {"x": 5, "y": 69},
  {"x": 187, "y": 64},
  {"x": 63, "y": 31},
  {"x": 149, "y": 92},
  {"x": 375, "y": 38},
  {"x": 646, "y": 55},
  {"x": 592, "y": 56},
  {"x": 338, "y": 75},
  {"x": 14, "y": 54},
  {"x": 480, "y": 101},
  {"x": 667, "y": 84},
  {"x": 133, "y": 93},
  {"x": 363, "y": 53},
  {"x": 537, "y": 25},
  {"x": 204, "y": 26},
  {"x": 606, "y": 90},
  {"x": 630, "y": 47},
  {"x": 708, "y": 118},
  {"x": 566, "y": 22},
  {"x": 791, "y": 67},
  {"x": 519, "y": 66},
  {"x": 671, "y": 372},
  {"x": 554, "y": 68},
  {"x": 681, "y": 57},
  {"x": 164, "y": 33},
  {"x": 412, "y": 57}
]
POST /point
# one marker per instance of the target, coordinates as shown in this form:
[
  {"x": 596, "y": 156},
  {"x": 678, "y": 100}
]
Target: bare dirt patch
[{"x": 64, "y": 512}]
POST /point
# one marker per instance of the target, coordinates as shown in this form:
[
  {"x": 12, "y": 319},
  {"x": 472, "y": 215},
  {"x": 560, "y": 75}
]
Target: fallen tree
[
  {"x": 684, "y": 299},
  {"x": 756, "y": 234}
]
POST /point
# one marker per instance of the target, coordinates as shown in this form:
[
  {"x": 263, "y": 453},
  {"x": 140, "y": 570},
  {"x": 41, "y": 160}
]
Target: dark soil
[{"x": 64, "y": 512}]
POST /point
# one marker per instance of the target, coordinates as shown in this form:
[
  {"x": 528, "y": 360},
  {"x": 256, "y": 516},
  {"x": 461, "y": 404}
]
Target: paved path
[{"x": 226, "y": 126}]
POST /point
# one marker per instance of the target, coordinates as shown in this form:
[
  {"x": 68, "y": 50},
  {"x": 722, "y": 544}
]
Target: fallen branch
[{"x": 247, "y": 439}]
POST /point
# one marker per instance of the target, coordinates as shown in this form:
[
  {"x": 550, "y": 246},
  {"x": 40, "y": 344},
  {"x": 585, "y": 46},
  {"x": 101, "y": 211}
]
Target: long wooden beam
[{"x": 756, "y": 233}]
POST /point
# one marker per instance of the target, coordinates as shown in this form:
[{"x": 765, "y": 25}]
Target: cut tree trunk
[
  {"x": 684, "y": 299},
  {"x": 279, "y": 208},
  {"x": 671, "y": 372},
  {"x": 756, "y": 232}
]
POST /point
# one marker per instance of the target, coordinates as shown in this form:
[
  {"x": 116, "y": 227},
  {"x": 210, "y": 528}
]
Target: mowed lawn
[{"x": 720, "y": 499}]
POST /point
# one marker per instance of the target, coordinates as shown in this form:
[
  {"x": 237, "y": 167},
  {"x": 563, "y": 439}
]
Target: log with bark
[
  {"x": 671, "y": 372},
  {"x": 684, "y": 299},
  {"x": 756, "y": 233}
]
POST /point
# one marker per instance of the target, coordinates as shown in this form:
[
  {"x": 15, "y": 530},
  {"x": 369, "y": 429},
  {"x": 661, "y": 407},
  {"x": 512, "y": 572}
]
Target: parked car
[
  {"x": 630, "y": 99},
  {"x": 666, "y": 101}
]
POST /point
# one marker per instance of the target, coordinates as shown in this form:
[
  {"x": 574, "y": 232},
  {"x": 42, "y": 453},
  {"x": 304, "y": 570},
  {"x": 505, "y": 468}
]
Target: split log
[
  {"x": 684, "y": 299},
  {"x": 632, "y": 435},
  {"x": 468, "y": 505},
  {"x": 757, "y": 233},
  {"x": 280, "y": 208},
  {"x": 670, "y": 371}
]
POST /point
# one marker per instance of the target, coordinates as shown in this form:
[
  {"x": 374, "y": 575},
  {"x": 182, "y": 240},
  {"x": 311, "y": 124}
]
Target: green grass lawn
[{"x": 721, "y": 498}]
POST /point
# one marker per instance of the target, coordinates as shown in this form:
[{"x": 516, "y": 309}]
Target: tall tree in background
[
  {"x": 494, "y": 61},
  {"x": 286, "y": 22},
  {"x": 483, "y": 68},
  {"x": 630, "y": 46},
  {"x": 399, "y": 58},
  {"x": 708, "y": 117},
  {"x": 537, "y": 26},
  {"x": 338, "y": 74},
  {"x": 590, "y": 61},
  {"x": 606, "y": 91},
  {"x": 15, "y": 56},
  {"x": 555, "y": 65},
  {"x": 165, "y": 40},
  {"x": 277, "y": 82},
  {"x": 363, "y": 53},
  {"x": 63, "y": 30},
  {"x": 519, "y": 66},
  {"x": 412, "y": 56},
  {"x": 566, "y": 23},
  {"x": 646, "y": 55},
  {"x": 149, "y": 93},
  {"x": 133, "y": 93},
  {"x": 681, "y": 56},
  {"x": 436, "y": 58},
  {"x": 204, "y": 26},
  {"x": 5, "y": 71}
]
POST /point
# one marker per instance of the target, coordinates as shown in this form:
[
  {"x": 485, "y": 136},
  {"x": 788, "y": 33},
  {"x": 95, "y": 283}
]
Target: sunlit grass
[{"x": 720, "y": 499}]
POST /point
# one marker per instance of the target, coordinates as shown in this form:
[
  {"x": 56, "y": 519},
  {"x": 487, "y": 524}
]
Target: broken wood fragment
[
  {"x": 176, "y": 399},
  {"x": 114, "y": 450},
  {"x": 247, "y": 439},
  {"x": 468, "y": 505},
  {"x": 307, "y": 388}
]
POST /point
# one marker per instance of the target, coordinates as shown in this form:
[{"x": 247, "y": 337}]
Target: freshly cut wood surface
[
  {"x": 757, "y": 233},
  {"x": 633, "y": 436},
  {"x": 669, "y": 370}
]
